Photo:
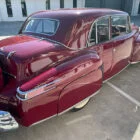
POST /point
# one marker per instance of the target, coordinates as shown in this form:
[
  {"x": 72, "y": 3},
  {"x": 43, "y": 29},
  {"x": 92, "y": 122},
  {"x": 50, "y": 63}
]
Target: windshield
[{"x": 41, "y": 26}]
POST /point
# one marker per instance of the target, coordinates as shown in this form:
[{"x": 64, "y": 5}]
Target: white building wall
[
  {"x": 17, "y": 11},
  {"x": 3, "y": 10},
  {"x": 68, "y": 3},
  {"x": 32, "y": 6},
  {"x": 55, "y": 4}
]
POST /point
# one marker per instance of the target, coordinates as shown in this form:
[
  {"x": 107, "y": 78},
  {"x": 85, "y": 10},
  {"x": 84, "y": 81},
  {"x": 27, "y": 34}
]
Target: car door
[
  {"x": 122, "y": 41},
  {"x": 99, "y": 41}
]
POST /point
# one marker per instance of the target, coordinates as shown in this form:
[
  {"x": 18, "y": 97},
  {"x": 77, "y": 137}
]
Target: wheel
[{"x": 81, "y": 105}]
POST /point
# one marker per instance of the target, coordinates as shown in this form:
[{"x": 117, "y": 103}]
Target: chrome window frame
[
  {"x": 129, "y": 23},
  {"x": 110, "y": 33},
  {"x": 126, "y": 25},
  {"x": 41, "y": 33},
  {"x": 95, "y": 23}
]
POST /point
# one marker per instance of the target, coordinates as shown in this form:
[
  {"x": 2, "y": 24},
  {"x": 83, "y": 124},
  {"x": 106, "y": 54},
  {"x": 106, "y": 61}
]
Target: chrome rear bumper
[{"x": 7, "y": 122}]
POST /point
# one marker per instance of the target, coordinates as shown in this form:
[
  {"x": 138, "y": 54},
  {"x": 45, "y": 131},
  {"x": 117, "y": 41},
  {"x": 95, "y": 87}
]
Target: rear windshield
[{"x": 41, "y": 26}]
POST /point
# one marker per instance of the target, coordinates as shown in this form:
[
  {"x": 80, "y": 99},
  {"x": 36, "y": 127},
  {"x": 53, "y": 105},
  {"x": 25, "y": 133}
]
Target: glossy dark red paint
[
  {"x": 136, "y": 50},
  {"x": 78, "y": 69}
]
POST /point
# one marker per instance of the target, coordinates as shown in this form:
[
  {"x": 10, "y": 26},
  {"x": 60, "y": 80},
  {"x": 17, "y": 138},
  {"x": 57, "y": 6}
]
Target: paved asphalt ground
[{"x": 113, "y": 114}]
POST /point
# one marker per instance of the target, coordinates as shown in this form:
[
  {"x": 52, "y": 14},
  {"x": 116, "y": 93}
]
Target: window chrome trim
[
  {"x": 129, "y": 22},
  {"x": 96, "y": 20},
  {"x": 96, "y": 42},
  {"x": 57, "y": 42},
  {"x": 41, "y": 19},
  {"x": 110, "y": 28}
]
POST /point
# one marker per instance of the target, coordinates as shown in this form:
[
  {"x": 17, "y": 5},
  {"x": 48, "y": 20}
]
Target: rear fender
[
  {"x": 45, "y": 99},
  {"x": 84, "y": 85}
]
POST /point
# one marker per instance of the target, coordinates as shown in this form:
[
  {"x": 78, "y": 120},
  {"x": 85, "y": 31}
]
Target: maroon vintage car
[{"x": 59, "y": 60}]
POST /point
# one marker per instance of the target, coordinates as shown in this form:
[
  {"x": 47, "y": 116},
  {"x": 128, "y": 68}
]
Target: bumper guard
[{"x": 7, "y": 122}]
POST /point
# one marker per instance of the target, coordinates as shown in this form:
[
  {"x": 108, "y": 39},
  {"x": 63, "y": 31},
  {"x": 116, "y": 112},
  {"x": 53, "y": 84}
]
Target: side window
[
  {"x": 103, "y": 30},
  {"x": 100, "y": 31},
  {"x": 119, "y": 25},
  {"x": 39, "y": 27}
]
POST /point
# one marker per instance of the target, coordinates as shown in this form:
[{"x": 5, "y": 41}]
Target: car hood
[{"x": 26, "y": 47}]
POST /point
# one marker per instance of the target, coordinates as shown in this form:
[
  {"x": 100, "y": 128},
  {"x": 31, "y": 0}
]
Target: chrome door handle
[{"x": 114, "y": 50}]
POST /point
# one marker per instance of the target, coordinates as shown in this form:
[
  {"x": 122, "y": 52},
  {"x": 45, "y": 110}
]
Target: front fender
[{"x": 136, "y": 51}]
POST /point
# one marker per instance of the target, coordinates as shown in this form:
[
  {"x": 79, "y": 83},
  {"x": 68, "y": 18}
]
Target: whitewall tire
[{"x": 81, "y": 104}]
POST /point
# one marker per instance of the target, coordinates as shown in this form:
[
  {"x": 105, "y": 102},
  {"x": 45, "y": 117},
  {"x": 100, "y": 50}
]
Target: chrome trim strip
[
  {"x": 9, "y": 74},
  {"x": 96, "y": 32},
  {"x": 110, "y": 28},
  {"x": 62, "y": 44},
  {"x": 43, "y": 120},
  {"x": 134, "y": 62},
  {"x": 25, "y": 93},
  {"x": 10, "y": 54},
  {"x": 57, "y": 42}
]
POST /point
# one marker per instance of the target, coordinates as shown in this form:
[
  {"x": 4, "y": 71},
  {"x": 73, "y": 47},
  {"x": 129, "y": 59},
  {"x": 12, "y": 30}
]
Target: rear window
[{"x": 41, "y": 26}]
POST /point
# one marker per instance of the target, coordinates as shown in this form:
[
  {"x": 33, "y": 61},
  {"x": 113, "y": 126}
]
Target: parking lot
[{"x": 113, "y": 114}]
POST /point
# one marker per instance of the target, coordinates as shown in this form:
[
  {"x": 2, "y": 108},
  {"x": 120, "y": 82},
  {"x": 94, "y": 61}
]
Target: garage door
[
  {"x": 114, "y": 4},
  {"x": 93, "y": 3}
]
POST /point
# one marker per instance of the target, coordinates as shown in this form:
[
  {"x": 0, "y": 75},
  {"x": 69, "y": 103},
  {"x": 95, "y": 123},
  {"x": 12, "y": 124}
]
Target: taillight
[
  {"x": 25, "y": 95},
  {"x": 37, "y": 85}
]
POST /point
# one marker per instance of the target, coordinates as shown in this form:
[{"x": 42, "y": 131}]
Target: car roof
[
  {"x": 76, "y": 12},
  {"x": 74, "y": 23}
]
